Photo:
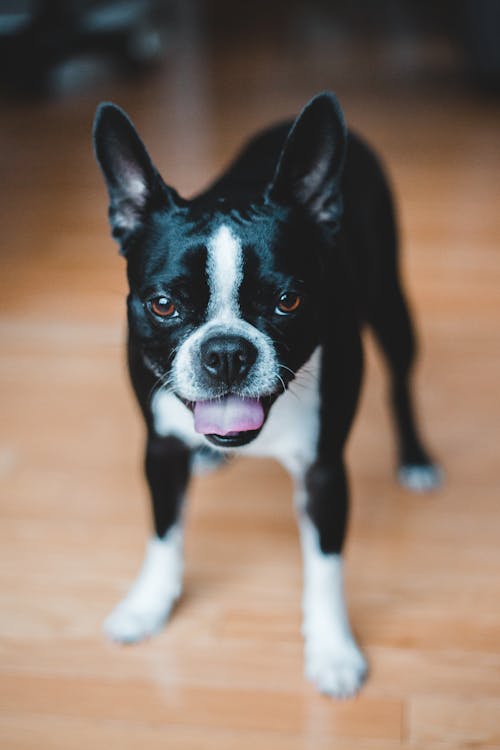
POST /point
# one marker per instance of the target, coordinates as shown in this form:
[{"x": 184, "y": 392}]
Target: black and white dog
[{"x": 245, "y": 311}]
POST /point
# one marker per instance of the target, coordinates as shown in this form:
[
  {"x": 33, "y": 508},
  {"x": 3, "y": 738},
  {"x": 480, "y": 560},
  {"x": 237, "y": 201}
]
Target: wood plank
[
  {"x": 21, "y": 732},
  {"x": 157, "y": 702},
  {"x": 474, "y": 722}
]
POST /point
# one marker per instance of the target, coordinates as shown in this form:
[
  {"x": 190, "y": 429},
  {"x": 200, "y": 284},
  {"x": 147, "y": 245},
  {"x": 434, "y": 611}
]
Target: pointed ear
[
  {"x": 309, "y": 171},
  {"x": 132, "y": 181}
]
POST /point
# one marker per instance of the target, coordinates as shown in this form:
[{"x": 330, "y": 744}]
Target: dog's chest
[{"x": 291, "y": 432}]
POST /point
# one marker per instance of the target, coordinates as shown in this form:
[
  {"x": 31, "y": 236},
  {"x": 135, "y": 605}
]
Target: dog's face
[{"x": 224, "y": 300}]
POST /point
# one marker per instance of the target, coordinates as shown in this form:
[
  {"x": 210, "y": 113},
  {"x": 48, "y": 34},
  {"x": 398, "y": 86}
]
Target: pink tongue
[{"x": 228, "y": 414}]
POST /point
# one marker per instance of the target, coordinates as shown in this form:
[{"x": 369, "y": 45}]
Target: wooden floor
[{"x": 423, "y": 573}]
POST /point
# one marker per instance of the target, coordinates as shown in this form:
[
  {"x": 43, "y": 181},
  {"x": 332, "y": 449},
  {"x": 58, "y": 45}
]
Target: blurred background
[
  {"x": 421, "y": 81},
  {"x": 53, "y": 45}
]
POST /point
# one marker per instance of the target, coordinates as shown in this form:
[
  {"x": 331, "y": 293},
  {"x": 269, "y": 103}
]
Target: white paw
[
  {"x": 153, "y": 594},
  {"x": 338, "y": 672},
  {"x": 131, "y": 621},
  {"x": 420, "y": 478}
]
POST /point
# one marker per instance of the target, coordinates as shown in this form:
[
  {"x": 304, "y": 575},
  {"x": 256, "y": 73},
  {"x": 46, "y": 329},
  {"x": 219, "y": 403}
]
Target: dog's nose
[{"x": 227, "y": 359}]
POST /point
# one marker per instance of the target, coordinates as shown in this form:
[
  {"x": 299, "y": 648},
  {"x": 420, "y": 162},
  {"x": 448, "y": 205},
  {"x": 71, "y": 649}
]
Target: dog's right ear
[{"x": 131, "y": 178}]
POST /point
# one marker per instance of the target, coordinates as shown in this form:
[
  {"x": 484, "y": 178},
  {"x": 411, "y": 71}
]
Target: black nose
[{"x": 227, "y": 359}]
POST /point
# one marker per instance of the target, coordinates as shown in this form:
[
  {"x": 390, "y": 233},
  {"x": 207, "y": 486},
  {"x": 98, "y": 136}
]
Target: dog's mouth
[{"x": 230, "y": 420}]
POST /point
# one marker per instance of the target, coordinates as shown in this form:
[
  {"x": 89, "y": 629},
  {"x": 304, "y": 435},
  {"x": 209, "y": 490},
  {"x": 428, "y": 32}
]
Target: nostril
[
  {"x": 213, "y": 360},
  {"x": 243, "y": 356},
  {"x": 248, "y": 354}
]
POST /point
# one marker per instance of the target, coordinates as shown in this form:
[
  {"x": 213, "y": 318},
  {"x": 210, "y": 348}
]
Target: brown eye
[
  {"x": 162, "y": 307},
  {"x": 288, "y": 303}
]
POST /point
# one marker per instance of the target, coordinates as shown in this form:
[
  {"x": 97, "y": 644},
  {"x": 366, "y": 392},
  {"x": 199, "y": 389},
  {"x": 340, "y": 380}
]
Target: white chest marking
[
  {"x": 225, "y": 273},
  {"x": 292, "y": 428}
]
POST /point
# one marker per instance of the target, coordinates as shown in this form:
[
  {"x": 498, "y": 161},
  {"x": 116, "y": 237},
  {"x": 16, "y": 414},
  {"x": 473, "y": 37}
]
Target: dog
[{"x": 245, "y": 313}]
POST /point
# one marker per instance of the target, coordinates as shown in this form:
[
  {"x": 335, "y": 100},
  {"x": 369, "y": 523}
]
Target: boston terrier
[{"x": 245, "y": 313}]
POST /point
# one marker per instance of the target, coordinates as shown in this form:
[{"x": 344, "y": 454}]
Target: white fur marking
[
  {"x": 333, "y": 660},
  {"x": 172, "y": 417},
  {"x": 420, "y": 478},
  {"x": 225, "y": 272},
  {"x": 290, "y": 433},
  {"x": 154, "y": 592}
]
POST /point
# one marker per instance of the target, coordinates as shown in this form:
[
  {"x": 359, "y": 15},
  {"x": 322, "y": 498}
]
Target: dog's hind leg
[
  {"x": 158, "y": 586},
  {"x": 372, "y": 232},
  {"x": 392, "y": 325}
]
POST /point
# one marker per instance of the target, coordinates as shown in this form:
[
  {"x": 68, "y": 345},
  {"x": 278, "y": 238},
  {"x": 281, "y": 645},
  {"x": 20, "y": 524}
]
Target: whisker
[
  {"x": 282, "y": 383},
  {"x": 284, "y": 367},
  {"x": 162, "y": 383}
]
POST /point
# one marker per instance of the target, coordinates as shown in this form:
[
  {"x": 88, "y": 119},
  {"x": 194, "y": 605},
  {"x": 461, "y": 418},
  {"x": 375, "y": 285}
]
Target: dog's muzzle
[
  {"x": 228, "y": 377},
  {"x": 226, "y": 361}
]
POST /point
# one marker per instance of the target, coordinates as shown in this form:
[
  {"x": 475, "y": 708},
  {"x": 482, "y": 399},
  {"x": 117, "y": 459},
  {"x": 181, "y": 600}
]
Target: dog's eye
[
  {"x": 162, "y": 307},
  {"x": 288, "y": 303}
]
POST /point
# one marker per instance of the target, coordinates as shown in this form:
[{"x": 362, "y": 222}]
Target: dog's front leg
[
  {"x": 333, "y": 660},
  {"x": 158, "y": 585}
]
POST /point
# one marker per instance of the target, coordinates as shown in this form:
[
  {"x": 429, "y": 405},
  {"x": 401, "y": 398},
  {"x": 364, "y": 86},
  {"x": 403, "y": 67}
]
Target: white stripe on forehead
[{"x": 225, "y": 273}]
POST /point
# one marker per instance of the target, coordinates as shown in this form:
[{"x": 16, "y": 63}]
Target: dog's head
[{"x": 225, "y": 289}]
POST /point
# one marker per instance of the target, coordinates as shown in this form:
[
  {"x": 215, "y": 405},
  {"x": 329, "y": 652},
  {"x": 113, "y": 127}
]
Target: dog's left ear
[{"x": 310, "y": 167}]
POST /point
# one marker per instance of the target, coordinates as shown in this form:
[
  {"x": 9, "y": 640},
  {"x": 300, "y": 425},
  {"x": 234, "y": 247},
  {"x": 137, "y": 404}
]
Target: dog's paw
[
  {"x": 338, "y": 672},
  {"x": 131, "y": 621},
  {"x": 420, "y": 477}
]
